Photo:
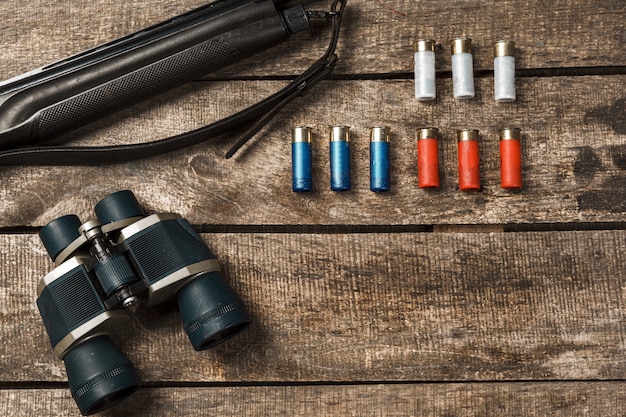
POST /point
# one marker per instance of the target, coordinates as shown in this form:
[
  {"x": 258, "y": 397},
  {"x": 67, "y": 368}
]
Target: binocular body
[{"x": 122, "y": 260}]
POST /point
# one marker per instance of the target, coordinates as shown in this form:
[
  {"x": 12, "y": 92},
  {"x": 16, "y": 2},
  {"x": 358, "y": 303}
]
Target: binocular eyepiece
[{"x": 106, "y": 266}]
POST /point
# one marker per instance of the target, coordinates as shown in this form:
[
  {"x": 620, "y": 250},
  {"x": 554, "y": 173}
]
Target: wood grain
[
  {"x": 371, "y": 307},
  {"x": 603, "y": 399},
  {"x": 460, "y": 322},
  {"x": 378, "y": 36},
  {"x": 573, "y": 150}
]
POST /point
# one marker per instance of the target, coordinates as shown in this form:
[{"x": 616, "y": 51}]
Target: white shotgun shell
[
  {"x": 504, "y": 71},
  {"x": 462, "y": 68},
  {"x": 425, "y": 70}
]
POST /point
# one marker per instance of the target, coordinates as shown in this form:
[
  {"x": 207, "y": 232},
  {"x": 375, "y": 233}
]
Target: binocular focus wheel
[
  {"x": 60, "y": 233},
  {"x": 117, "y": 206}
]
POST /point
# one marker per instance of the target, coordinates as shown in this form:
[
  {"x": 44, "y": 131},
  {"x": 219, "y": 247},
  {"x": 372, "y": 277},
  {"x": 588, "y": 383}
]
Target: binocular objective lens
[
  {"x": 211, "y": 310},
  {"x": 99, "y": 375}
]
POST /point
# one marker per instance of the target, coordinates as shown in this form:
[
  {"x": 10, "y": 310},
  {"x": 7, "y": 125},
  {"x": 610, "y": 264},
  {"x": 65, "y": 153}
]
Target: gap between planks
[{"x": 357, "y": 229}]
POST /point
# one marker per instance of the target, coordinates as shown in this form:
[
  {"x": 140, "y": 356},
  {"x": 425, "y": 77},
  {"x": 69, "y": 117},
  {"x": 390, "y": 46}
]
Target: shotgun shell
[
  {"x": 504, "y": 71},
  {"x": 462, "y": 68},
  {"x": 340, "y": 158},
  {"x": 379, "y": 159},
  {"x": 425, "y": 70},
  {"x": 427, "y": 157},
  {"x": 511, "y": 158},
  {"x": 301, "y": 176},
  {"x": 469, "y": 160}
]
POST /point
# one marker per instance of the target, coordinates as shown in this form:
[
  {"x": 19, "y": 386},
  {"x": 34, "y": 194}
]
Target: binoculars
[{"x": 110, "y": 266}]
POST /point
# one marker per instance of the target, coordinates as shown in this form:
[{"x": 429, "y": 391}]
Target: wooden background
[{"x": 412, "y": 303}]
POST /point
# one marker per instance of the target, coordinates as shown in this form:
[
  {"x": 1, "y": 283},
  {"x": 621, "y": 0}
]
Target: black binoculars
[{"x": 111, "y": 265}]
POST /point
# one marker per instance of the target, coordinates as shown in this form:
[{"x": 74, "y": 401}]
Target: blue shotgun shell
[
  {"x": 340, "y": 158},
  {"x": 379, "y": 159},
  {"x": 301, "y": 172}
]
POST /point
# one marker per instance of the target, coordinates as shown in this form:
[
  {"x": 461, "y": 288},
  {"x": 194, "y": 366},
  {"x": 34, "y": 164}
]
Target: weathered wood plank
[
  {"x": 403, "y": 308},
  {"x": 378, "y": 36},
  {"x": 574, "y": 138},
  {"x": 371, "y": 307},
  {"x": 603, "y": 399}
]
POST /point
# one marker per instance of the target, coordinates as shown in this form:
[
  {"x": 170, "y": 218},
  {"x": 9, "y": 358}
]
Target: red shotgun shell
[
  {"x": 469, "y": 160},
  {"x": 427, "y": 158},
  {"x": 511, "y": 158}
]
